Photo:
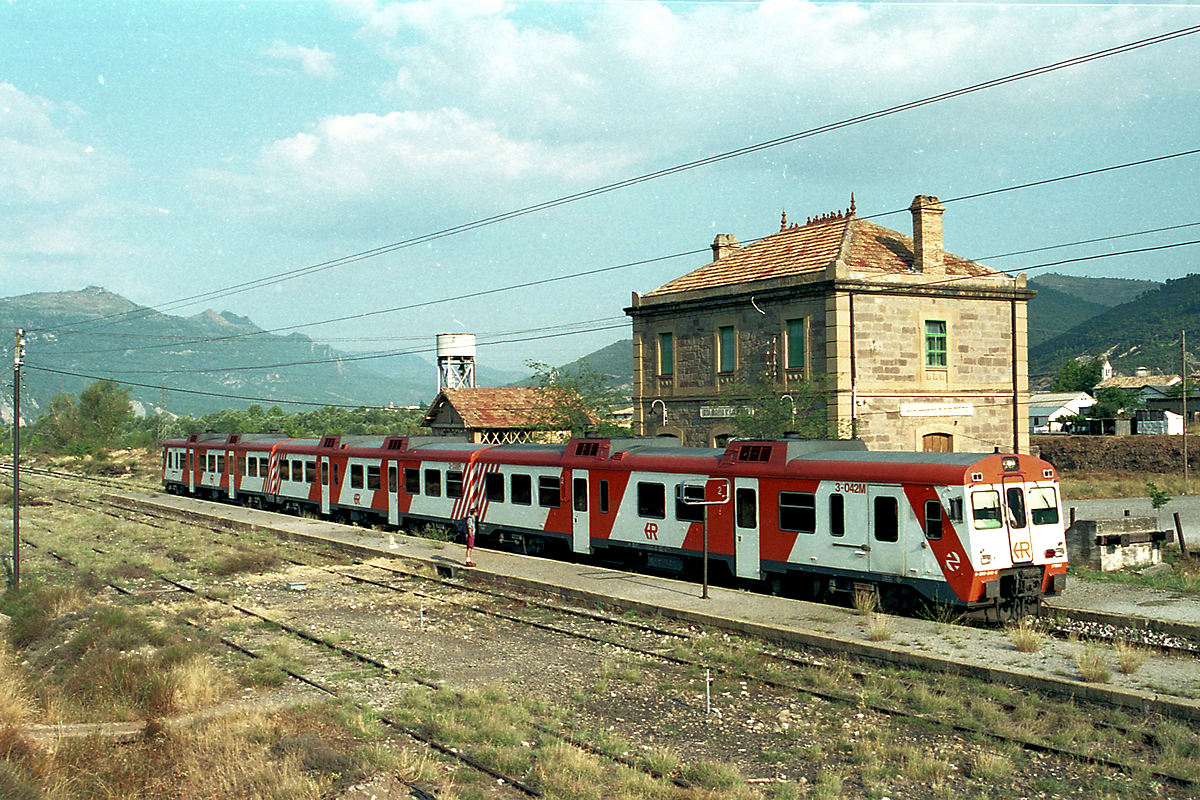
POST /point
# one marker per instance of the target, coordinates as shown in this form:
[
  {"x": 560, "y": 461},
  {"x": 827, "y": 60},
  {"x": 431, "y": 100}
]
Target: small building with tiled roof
[
  {"x": 505, "y": 415},
  {"x": 911, "y": 347}
]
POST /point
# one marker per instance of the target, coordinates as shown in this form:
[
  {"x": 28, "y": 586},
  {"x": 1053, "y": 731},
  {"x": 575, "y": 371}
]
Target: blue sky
[{"x": 165, "y": 149}]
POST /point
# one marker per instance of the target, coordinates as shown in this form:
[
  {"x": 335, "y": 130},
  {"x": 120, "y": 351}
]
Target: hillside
[
  {"x": 213, "y": 353},
  {"x": 1144, "y": 332},
  {"x": 1106, "y": 292},
  {"x": 1053, "y": 312}
]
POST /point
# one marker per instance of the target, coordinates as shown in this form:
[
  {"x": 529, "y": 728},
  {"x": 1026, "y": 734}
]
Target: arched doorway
[{"x": 937, "y": 443}]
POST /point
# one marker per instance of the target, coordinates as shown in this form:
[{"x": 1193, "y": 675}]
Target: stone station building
[{"x": 914, "y": 348}]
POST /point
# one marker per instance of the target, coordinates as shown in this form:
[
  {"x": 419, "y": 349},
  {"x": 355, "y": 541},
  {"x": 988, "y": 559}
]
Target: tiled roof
[
  {"x": 797, "y": 249},
  {"x": 1137, "y": 381},
  {"x": 504, "y": 407}
]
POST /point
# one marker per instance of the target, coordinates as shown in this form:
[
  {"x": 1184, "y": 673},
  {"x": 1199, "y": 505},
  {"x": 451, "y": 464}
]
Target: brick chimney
[
  {"x": 927, "y": 234},
  {"x": 724, "y": 245}
]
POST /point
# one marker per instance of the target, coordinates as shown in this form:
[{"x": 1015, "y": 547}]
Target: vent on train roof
[
  {"x": 587, "y": 449},
  {"x": 754, "y": 452},
  {"x": 329, "y": 441},
  {"x": 395, "y": 444},
  {"x": 234, "y": 438}
]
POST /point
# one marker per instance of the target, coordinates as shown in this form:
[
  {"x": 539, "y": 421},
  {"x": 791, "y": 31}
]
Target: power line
[
  {"x": 362, "y": 357},
  {"x": 643, "y": 262},
  {"x": 690, "y": 165},
  {"x": 943, "y": 281}
]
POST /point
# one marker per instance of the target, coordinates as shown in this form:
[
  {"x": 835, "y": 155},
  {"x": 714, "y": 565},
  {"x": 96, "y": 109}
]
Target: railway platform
[{"x": 1169, "y": 684}]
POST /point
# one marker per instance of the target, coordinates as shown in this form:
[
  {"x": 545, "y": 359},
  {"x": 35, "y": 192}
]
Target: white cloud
[
  {"x": 443, "y": 156},
  {"x": 311, "y": 61}
]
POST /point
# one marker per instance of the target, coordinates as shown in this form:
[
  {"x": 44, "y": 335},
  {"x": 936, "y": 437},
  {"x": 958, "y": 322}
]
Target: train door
[
  {"x": 581, "y": 528},
  {"x": 885, "y": 523},
  {"x": 1016, "y": 519},
  {"x": 189, "y": 463},
  {"x": 230, "y": 471},
  {"x": 393, "y": 493},
  {"x": 323, "y": 466},
  {"x": 747, "y": 557}
]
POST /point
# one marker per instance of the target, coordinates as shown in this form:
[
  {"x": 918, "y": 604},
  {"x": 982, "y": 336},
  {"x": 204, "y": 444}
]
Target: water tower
[{"x": 456, "y": 360}]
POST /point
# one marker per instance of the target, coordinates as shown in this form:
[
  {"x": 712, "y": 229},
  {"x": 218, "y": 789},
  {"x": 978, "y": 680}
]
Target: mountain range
[
  {"x": 210, "y": 361},
  {"x": 215, "y": 360}
]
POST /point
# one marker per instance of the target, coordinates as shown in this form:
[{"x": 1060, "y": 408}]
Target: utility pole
[
  {"x": 18, "y": 361},
  {"x": 1183, "y": 369}
]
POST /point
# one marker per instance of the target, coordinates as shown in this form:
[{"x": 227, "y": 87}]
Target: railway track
[
  {"x": 327, "y": 688},
  {"x": 844, "y": 698}
]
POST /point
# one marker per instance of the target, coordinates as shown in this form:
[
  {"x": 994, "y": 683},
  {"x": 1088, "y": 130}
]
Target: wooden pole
[{"x": 1182, "y": 544}]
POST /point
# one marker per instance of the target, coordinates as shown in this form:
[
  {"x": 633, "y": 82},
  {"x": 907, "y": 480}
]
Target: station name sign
[{"x": 936, "y": 409}]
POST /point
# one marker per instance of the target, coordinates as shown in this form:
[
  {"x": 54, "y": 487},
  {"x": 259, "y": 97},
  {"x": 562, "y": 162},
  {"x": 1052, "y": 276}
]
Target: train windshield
[
  {"x": 985, "y": 509},
  {"x": 1043, "y": 505}
]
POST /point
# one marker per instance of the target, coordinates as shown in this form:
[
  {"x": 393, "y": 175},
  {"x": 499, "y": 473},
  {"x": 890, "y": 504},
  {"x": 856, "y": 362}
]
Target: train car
[{"x": 804, "y": 517}]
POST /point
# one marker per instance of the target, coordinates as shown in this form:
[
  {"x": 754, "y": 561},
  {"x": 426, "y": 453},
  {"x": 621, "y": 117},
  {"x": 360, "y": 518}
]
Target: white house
[{"x": 1046, "y": 408}]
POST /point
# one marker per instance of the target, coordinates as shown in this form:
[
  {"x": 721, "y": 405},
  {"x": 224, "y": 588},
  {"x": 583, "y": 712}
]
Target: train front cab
[{"x": 1014, "y": 538}]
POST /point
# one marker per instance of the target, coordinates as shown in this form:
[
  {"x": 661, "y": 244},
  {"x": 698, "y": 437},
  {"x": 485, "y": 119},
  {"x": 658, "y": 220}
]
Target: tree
[
  {"x": 766, "y": 410},
  {"x": 1078, "y": 375},
  {"x": 1112, "y": 402},
  {"x": 104, "y": 409},
  {"x": 579, "y": 400}
]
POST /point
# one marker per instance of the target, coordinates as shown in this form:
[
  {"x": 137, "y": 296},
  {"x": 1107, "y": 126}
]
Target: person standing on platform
[{"x": 470, "y": 523}]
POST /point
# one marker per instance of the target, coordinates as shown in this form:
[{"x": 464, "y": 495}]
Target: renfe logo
[
  {"x": 953, "y": 561},
  {"x": 651, "y": 531}
]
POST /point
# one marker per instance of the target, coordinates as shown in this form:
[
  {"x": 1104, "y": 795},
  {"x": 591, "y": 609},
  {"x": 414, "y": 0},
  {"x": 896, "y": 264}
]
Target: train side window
[
  {"x": 433, "y": 483},
  {"x": 393, "y": 479},
  {"x": 522, "y": 490},
  {"x": 310, "y": 472},
  {"x": 798, "y": 512},
  {"x": 298, "y": 471},
  {"x": 955, "y": 509},
  {"x": 746, "y": 508},
  {"x": 579, "y": 491},
  {"x": 454, "y": 483},
  {"x": 1016, "y": 506},
  {"x": 887, "y": 519},
  {"x": 356, "y": 476},
  {"x": 189, "y": 459},
  {"x": 837, "y": 515},
  {"x": 1043, "y": 505},
  {"x": 324, "y": 473},
  {"x": 493, "y": 487},
  {"x": 603, "y": 497},
  {"x": 652, "y": 500},
  {"x": 549, "y": 491},
  {"x": 985, "y": 509},
  {"x": 373, "y": 479},
  {"x": 221, "y": 467},
  {"x": 412, "y": 480},
  {"x": 242, "y": 464},
  {"x": 685, "y": 512},
  {"x": 335, "y": 475},
  {"x": 933, "y": 520}
]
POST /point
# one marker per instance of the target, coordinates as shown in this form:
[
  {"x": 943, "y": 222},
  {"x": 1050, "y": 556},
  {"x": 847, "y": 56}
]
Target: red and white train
[{"x": 808, "y": 518}]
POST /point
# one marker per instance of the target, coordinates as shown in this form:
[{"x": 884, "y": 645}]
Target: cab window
[
  {"x": 1016, "y": 506},
  {"x": 1043, "y": 505},
  {"x": 985, "y": 509}
]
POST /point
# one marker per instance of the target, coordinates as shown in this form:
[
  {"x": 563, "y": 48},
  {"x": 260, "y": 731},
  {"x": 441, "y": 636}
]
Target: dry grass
[
  {"x": 865, "y": 602},
  {"x": 1092, "y": 665},
  {"x": 880, "y": 628},
  {"x": 1026, "y": 636},
  {"x": 16, "y": 707},
  {"x": 1078, "y": 485},
  {"x": 1130, "y": 657}
]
